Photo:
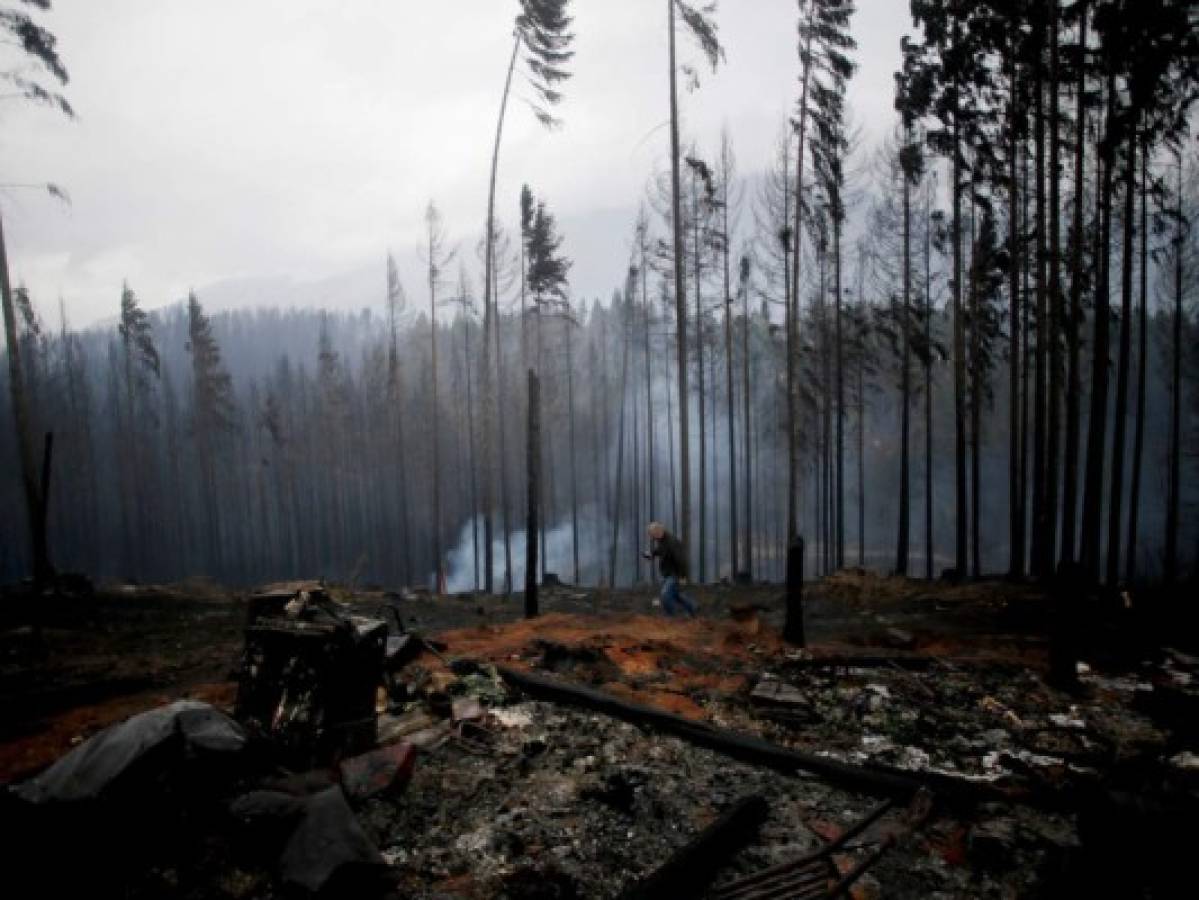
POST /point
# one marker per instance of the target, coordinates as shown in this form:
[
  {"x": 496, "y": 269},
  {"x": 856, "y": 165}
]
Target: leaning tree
[{"x": 541, "y": 30}]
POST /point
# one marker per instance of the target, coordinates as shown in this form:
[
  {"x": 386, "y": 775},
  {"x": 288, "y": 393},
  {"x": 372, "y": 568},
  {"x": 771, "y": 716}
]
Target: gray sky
[{"x": 272, "y": 151}]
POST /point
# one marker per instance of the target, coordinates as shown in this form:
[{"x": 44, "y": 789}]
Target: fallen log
[
  {"x": 878, "y": 780},
  {"x": 691, "y": 869}
]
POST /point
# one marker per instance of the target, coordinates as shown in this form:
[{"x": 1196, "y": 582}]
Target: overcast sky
[{"x": 273, "y": 151}]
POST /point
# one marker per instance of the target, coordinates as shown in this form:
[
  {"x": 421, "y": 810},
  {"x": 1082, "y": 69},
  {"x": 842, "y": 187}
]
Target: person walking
[{"x": 672, "y": 564}]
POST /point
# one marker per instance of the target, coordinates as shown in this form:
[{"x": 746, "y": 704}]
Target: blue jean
[{"x": 672, "y": 597}]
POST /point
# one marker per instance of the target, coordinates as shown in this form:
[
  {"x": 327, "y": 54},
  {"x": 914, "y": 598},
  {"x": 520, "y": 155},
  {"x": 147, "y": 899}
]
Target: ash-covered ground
[{"x": 516, "y": 797}]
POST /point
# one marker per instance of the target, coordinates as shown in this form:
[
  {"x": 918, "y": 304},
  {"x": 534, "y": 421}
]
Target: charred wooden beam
[
  {"x": 875, "y": 779},
  {"x": 691, "y": 869},
  {"x": 748, "y": 748}
]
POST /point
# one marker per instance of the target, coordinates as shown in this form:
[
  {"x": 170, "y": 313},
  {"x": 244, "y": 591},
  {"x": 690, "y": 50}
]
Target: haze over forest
[{"x": 930, "y": 301}]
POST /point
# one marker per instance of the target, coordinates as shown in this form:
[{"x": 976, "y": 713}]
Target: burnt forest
[{"x": 727, "y": 449}]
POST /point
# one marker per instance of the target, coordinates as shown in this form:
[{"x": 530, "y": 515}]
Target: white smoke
[{"x": 595, "y": 541}]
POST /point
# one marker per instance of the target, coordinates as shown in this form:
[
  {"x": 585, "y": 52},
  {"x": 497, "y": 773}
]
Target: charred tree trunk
[
  {"x": 792, "y": 292},
  {"x": 702, "y": 548},
  {"x": 493, "y": 466},
  {"x": 976, "y": 399},
  {"x": 1040, "y": 408},
  {"x": 680, "y": 295},
  {"x": 574, "y": 475},
  {"x": 650, "y": 463},
  {"x": 840, "y": 365},
  {"x": 533, "y": 463},
  {"x": 1115, "y": 519},
  {"x": 959, "y": 365},
  {"x": 747, "y": 428},
  {"x": 1015, "y": 499},
  {"x": 928, "y": 390},
  {"x": 901, "y": 550},
  {"x": 1138, "y": 441},
  {"x": 1075, "y": 320},
  {"x": 728, "y": 361},
  {"x": 1174, "y": 485},
  {"x": 1092, "y": 506},
  {"x": 616, "y": 491},
  {"x": 1053, "y": 424}
]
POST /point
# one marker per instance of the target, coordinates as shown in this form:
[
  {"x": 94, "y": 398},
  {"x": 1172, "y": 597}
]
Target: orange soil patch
[
  {"x": 635, "y": 641},
  {"x": 25, "y": 755},
  {"x": 652, "y": 653}
]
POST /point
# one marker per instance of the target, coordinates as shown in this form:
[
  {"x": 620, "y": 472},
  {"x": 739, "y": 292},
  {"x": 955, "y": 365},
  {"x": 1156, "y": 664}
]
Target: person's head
[{"x": 656, "y": 530}]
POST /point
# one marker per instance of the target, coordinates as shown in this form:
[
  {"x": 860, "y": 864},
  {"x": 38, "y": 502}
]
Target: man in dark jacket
[{"x": 672, "y": 563}]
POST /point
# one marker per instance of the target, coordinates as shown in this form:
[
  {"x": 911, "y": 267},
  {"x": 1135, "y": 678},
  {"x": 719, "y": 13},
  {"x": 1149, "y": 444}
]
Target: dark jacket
[{"x": 671, "y": 558}]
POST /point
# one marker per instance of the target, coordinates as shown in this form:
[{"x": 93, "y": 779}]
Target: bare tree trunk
[
  {"x": 1040, "y": 552},
  {"x": 728, "y": 360},
  {"x": 492, "y": 466},
  {"x": 1092, "y": 502},
  {"x": 713, "y": 394},
  {"x": 959, "y": 361},
  {"x": 1115, "y": 523},
  {"x": 650, "y": 465},
  {"x": 702, "y": 547},
  {"x": 928, "y": 389},
  {"x": 1015, "y": 497},
  {"x": 597, "y": 452},
  {"x": 792, "y": 292},
  {"x": 574, "y": 476},
  {"x": 861, "y": 389},
  {"x": 533, "y": 462},
  {"x": 438, "y": 569},
  {"x": 472, "y": 463},
  {"x": 840, "y": 361},
  {"x": 1174, "y": 485},
  {"x": 680, "y": 296},
  {"x": 976, "y": 392},
  {"x": 624, "y": 381},
  {"x": 1053, "y": 446},
  {"x": 747, "y": 430},
  {"x": 501, "y": 470},
  {"x": 635, "y": 520},
  {"x": 1138, "y": 441},
  {"x": 1074, "y": 323},
  {"x": 901, "y": 550},
  {"x": 674, "y": 498}
]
